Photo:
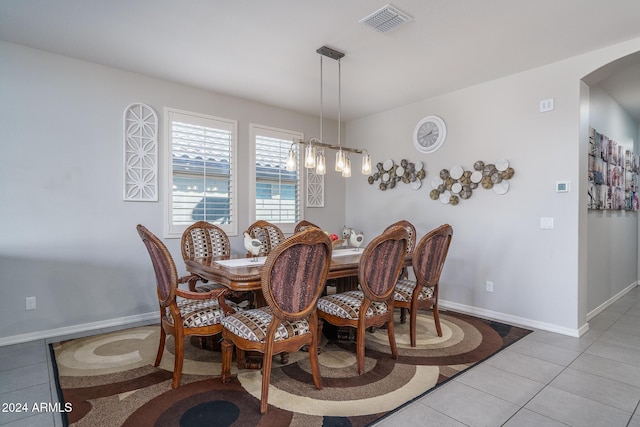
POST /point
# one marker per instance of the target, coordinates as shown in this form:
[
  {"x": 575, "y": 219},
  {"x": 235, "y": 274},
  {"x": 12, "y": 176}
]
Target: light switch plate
[{"x": 546, "y": 223}]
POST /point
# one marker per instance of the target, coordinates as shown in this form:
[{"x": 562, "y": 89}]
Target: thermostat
[{"x": 562, "y": 187}]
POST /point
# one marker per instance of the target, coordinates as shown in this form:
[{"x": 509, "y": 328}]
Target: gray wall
[
  {"x": 612, "y": 235},
  {"x": 539, "y": 275},
  {"x": 68, "y": 238}
]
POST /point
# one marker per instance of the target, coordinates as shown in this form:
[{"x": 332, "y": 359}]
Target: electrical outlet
[
  {"x": 31, "y": 303},
  {"x": 489, "y": 286}
]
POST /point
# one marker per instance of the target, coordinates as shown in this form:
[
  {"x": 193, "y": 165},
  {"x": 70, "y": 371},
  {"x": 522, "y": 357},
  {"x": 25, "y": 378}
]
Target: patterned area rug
[{"x": 110, "y": 379}]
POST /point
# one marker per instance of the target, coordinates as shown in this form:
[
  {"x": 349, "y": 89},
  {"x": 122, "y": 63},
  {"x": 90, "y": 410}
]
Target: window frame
[
  {"x": 256, "y": 130},
  {"x": 176, "y": 230}
]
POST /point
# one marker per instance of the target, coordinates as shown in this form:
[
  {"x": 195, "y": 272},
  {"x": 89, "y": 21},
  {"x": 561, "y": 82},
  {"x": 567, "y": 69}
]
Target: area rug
[{"x": 110, "y": 380}]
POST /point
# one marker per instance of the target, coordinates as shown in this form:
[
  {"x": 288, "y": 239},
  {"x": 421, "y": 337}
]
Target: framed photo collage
[{"x": 613, "y": 174}]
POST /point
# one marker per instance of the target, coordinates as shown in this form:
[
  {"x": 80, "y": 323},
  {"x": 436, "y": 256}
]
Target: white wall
[
  {"x": 68, "y": 238},
  {"x": 612, "y": 235},
  {"x": 539, "y": 276}
]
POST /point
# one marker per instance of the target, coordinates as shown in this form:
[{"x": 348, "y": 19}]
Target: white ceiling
[{"x": 266, "y": 50}]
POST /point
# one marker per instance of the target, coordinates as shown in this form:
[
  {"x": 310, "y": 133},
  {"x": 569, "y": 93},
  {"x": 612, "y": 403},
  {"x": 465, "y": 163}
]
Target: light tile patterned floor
[{"x": 545, "y": 379}]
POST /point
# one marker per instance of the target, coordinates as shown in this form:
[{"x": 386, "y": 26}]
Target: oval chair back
[
  {"x": 381, "y": 263},
  {"x": 269, "y": 234},
  {"x": 203, "y": 240}
]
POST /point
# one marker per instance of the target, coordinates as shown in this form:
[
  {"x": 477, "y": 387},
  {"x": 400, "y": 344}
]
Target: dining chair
[
  {"x": 427, "y": 263},
  {"x": 203, "y": 240},
  {"x": 303, "y": 225},
  {"x": 411, "y": 243},
  {"x": 378, "y": 271},
  {"x": 195, "y": 313},
  {"x": 292, "y": 280},
  {"x": 269, "y": 234}
]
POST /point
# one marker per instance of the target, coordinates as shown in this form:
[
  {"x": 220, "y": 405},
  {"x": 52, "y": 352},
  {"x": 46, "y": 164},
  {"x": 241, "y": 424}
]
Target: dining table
[{"x": 242, "y": 274}]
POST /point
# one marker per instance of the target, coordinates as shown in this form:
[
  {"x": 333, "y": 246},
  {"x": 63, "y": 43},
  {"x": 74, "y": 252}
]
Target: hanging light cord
[{"x": 339, "y": 102}]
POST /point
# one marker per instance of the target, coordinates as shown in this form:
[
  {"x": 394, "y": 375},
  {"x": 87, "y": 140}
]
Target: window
[
  {"x": 202, "y": 175},
  {"x": 277, "y": 190}
]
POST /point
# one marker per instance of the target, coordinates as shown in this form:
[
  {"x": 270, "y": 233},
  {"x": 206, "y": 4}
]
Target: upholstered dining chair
[
  {"x": 203, "y": 240},
  {"x": 303, "y": 225},
  {"x": 196, "y": 313},
  {"x": 411, "y": 243},
  {"x": 427, "y": 263},
  {"x": 292, "y": 280},
  {"x": 372, "y": 305},
  {"x": 269, "y": 234}
]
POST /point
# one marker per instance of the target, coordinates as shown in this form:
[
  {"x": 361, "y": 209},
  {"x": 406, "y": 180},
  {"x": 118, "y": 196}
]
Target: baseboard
[
  {"x": 593, "y": 313},
  {"x": 475, "y": 311},
  {"x": 507, "y": 318},
  {"x": 79, "y": 329}
]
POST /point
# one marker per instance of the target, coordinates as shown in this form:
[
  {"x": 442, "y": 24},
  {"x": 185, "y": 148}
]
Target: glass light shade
[
  {"x": 340, "y": 160},
  {"x": 346, "y": 171},
  {"x": 366, "y": 164},
  {"x": 321, "y": 164},
  {"x": 310, "y": 156},
  {"x": 291, "y": 160}
]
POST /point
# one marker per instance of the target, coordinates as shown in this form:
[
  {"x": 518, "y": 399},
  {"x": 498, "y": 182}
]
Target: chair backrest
[
  {"x": 202, "y": 240},
  {"x": 163, "y": 265},
  {"x": 411, "y": 244},
  {"x": 303, "y": 225},
  {"x": 295, "y": 272},
  {"x": 381, "y": 263},
  {"x": 269, "y": 234},
  {"x": 430, "y": 254}
]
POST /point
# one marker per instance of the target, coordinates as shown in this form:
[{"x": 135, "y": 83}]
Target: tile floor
[{"x": 545, "y": 379}]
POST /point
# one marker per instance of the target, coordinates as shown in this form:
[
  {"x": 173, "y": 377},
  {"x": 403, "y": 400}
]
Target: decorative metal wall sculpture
[
  {"x": 456, "y": 183},
  {"x": 390, "y": 174},
  {"x": 140, "y": 154}
]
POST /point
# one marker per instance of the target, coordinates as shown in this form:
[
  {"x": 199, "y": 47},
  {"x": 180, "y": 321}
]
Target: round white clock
[{"x": 429, "y": 134}]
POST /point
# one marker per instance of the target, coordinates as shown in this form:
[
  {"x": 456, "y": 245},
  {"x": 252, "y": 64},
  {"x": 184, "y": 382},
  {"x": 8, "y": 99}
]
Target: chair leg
[
  {"x": 403, "y": 315},
  {"x": 241, "y": 360},
  {"x": 163, "y": 338},
  {"x": 179, "y": 359},
  {"x": 314, "y": 349},
  {"x": 227, "y": 354},
  {"x": 360, "y": 349},
  {"x": 413, "y": 320},
  {"x": 436, "y": 319},
  {"x": 266, "y": 378},
  {"x": 392, "y": 337}
]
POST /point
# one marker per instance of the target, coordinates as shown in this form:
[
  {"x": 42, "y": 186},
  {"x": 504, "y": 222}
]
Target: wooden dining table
[{"x": 242, "y": 274}]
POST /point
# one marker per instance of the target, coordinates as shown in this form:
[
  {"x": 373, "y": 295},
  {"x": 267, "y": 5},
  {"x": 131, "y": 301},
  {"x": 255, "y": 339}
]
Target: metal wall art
[
  {"x": 390, "y": 174},
  {"x": 140, "y": 154},
  {"x": 456, "y": 183}
]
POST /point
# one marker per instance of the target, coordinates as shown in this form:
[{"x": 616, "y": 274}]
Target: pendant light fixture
[{"x": 314, "y": 156}]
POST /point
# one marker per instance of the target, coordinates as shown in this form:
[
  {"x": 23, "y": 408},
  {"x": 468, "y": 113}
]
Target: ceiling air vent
[{"x": 386, "y": 19}]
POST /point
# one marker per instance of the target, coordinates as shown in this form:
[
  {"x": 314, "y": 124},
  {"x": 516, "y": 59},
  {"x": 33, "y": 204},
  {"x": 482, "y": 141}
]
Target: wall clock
[{"x": 429, "y": 134}]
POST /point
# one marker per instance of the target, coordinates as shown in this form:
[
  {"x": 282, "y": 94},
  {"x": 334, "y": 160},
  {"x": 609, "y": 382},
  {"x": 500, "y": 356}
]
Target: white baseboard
[
  {"x": 599, "y": 309},
  {"x": 512, "y": 320},
  {"x": 79, "y": 329},
  {"x": 475, "y": 311}
]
